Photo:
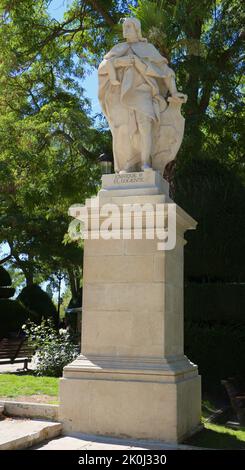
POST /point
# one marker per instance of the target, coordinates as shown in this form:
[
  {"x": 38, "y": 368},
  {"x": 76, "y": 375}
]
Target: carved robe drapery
[{"x": 134, "y": 80}]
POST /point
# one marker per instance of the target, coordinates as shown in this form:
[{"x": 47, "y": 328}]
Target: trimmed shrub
[
  {"x": 38, "y": 301},
  {"x": 12, "y": 313},
  {"x": 5, "y": 281},
  {"x": 6, "y": 292},
  {"x": 12, "y": 316}
]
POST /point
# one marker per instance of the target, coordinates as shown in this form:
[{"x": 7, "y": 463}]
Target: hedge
[
  {"x": 214, "y": 194},
  {"x": 38, "y": 301},
  {"x": 5, "y": 282},
  {"x": 219, "y": 352},
  {"x": 215, "y": 303},
  {"x": 12, "y": 316}
]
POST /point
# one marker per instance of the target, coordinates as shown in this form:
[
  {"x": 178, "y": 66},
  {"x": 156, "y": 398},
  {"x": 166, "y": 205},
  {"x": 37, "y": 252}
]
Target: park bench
[
  {"x": 15, "y": 350},
  {"x": 237, "y": 399}
]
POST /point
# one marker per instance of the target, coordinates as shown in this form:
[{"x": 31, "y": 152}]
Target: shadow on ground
[{"x": 212, "y": 439}]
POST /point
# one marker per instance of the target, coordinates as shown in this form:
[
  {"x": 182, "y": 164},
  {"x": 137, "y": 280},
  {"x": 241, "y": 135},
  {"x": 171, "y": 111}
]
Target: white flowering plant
[{"x": 53, "y": 349}]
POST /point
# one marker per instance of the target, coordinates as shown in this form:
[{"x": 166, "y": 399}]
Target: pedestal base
[
  {"x": 133, "y": 379},
  {"x": 149, "y": 398}
]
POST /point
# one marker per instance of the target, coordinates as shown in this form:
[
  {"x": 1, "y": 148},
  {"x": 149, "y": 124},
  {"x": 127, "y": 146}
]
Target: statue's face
[{"x": 129, "y": 31}]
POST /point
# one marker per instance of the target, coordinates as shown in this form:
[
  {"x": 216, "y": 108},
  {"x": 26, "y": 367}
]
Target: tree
[
  {"x": 49, "y": 143},
  {"x": 49, "y": 146}
]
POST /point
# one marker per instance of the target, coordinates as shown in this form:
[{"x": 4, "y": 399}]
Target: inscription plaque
[{"x": 128, "y": 178}]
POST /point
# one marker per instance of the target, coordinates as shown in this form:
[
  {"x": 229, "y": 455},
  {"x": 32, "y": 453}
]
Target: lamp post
[
  {"x": 105, "y": 162},
  {"x": 59, "y": 277}
]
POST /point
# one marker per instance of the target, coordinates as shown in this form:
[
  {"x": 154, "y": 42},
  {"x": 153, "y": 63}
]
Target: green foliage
[
  {"x": 158, "y": 24},
  {"x": 66, "y": 296},
  {"x": 54, "y": 350},
  {"x": 38, "y": 301},
  {"x": 49, "y": 148},
  {"x": 12, "y": 316},
  {"x": 219, "y": 351}
]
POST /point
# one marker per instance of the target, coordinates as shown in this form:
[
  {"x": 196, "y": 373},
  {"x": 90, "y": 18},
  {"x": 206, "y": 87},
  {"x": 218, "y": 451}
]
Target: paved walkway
[
  {"x": 35, "y": 434},
  {"x": 8, "y": 368},
  {"x": 91, "y": 442}
]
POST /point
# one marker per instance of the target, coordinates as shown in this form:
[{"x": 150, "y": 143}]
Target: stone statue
[{"x": 138, "y": 95}]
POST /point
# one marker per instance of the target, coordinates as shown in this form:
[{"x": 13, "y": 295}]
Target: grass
[
  {"x": 14, "y": 385},
  {"x": 215, "y": 436}
]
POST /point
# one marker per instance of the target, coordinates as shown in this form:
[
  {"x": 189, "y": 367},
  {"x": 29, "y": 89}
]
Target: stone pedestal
[{"x": 132, "y": 378}]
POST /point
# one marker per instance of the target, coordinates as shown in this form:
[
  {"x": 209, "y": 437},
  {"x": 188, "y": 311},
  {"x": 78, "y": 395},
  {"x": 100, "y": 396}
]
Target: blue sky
[
  {"x": 90, "y": 83},
  {"x": 57, "y": 8}
]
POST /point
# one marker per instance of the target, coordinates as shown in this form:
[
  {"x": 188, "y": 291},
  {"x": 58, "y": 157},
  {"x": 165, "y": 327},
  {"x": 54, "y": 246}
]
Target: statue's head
[{"x": 132, "y": 30}]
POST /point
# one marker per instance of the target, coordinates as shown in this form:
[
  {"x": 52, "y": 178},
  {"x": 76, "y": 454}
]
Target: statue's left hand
[{"x": 179, "y": 97}]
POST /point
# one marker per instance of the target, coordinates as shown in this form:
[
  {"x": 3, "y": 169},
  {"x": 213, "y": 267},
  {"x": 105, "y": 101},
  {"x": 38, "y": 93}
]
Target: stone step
[{"x": 23, "y": 433}]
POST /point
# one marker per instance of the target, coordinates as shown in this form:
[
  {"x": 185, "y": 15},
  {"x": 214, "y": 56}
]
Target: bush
[
  {"x": 12, "y": 316},
  {"x": 219, "y": 352},
  {"x": 54, "y": 350},
  {"x": 38, "y": 301}
]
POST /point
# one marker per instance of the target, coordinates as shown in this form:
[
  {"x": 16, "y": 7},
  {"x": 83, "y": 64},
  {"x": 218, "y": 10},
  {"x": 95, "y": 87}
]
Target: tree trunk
[{"x": 75, "y": 280}]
